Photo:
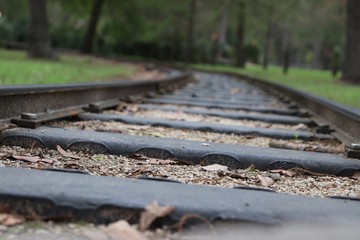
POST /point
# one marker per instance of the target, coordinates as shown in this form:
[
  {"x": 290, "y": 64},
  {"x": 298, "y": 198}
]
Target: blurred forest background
[
  {"x": 306, "y": 33},
  {"x": 312, "y": 34}
]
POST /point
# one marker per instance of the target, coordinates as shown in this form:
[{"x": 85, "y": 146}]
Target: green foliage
[
  {"x": 158, "y": 28},
  {"x": 13, "y": 20},
  {"x": 15, "y": 68},
  {"x": 317, "y": 82}
]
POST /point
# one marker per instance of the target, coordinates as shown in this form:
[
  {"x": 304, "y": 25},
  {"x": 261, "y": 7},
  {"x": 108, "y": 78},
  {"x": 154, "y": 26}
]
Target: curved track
[{"x": 192, "y": 124}]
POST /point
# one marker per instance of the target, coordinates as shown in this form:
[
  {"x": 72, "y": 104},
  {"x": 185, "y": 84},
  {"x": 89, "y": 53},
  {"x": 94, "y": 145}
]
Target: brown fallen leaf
[
  {"x": 305, "y": 147},
  {"x": 122, "y": 230},
  {"x": 72, "y": 165},
  {"x": 10, "y": 220},
  {"x": 356, "y": 175},
  {"x": 4, "y": 209},
  {"x": 152, "y": 212},
  {"x": 3, "y": 154},
  {"x": 49, "y": 160},
  {"x": 235, "y": 90},
  {"x": 26, "y": 158},
  {"x": 155, "y": 134},
  {"x": 299, "y": 127},
  {"x": 4, "y": 126},
  {"x": 32, "y": 159},
  {"x": 284, "y": 172},
  {"x": 141, "y": 171},
  {"x": 252, "y": 167},
  {"x": 138, "y": 127},
  {"x": 237, "y": 176},
  {"x": 215, "y": 167},
  {"x": 152, "y": 160},
  {"x": 188, "y": 216},
  {"x": 65, "y": 153},
  {"x": 161, "y": 161},
  {"x": 138, "y": 156},
  {"x": 265, "y": 181}
]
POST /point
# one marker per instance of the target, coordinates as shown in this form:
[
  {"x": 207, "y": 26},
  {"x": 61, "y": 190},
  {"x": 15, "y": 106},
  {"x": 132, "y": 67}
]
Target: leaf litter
[
  {"x": 10, "y": 219},
  {"x": 266, "y": 181},
  {"x": 293, "y": 181},
  {"x": 65, "y": 153},
  {"x": 14, "y": 226},
  {"x": 205, "y": 138},
  {"x": 152, "y": 212}
]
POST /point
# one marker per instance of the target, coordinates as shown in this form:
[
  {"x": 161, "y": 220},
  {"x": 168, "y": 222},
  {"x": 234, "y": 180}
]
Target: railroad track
[{"x": 251, "y": 139}]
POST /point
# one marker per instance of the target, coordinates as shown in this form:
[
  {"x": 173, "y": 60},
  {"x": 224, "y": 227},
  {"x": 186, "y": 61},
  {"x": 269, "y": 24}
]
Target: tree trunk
[
  {"x": 39, "y": 40},
  {"x": 286, "y": 52},
  {"x": 352, "y": 49},
  {"x": 91, "y": 29},
  {"x": 222, "y": 31},
  {"x": 268, "y": 39},
  {"x": 190, "y": 32},
  {"x": 240, "y": 51},
  {"x": 317, "y": 47}
]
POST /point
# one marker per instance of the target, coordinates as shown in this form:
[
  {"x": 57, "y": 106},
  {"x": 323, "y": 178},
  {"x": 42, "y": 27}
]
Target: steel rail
[
  {"x": 345, "y": 120},
  {"x": 32, "y": 101},
  {"x": 55, "y": 193}
]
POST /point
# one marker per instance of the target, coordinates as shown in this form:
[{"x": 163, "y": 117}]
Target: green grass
[
  {"x": 317, "y": 82},
  {"x": 16, "y": 68}
]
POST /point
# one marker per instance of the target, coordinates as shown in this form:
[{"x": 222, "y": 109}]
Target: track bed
[{"x": 217, "y": 136}]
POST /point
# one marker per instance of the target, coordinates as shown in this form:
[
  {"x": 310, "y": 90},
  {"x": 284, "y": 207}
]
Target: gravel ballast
[
  {"x": 293, "y": 181},
  {"x": 330, "y": 146}
]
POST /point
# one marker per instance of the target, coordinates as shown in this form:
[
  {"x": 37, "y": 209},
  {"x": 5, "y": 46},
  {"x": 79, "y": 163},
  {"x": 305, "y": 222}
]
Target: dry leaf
[
  {"x": 26, "y": 158},
  {"x": 252, "y": 167},
  {"x": 65, "y": 153},
  {"x": 356, "y": 175},
  {"x": 122, "y": 230},
  {"x": 235, "y": 90},
  {"x": 215, "y": 167},
  {"x": 138, "y": 156},
  {"x": 299, "y": 127},
  {"x": 31, "y": 159},
  {"x": 49, "y": 160},
  {"x": 155, "y": 134},
  {"x": 161, "y": 161},
  {"x": 152, "y": 212},
  {"x": 284, "y": 172},
  {"x": 238, "y": 176},
  {"x": 10, "y": 220},
  {"x": 72, "y": 165},
  {"x": 138, "y": 127},
  {"x": 3, "y": 154},
  {"x": 46, "y": 160},
  {"x": 152, "y": 160},
  {"x": 141, "y": 171},
  {"x": 265, "y": 181}
]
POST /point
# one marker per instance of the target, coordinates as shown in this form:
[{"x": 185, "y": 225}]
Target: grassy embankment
[
  {"x": 317, "y": 82},
  {"x": 16, "y": 68}
]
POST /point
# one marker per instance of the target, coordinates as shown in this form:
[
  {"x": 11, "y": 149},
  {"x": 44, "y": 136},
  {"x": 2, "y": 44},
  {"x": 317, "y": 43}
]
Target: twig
[{"x": 188, "y": 216}]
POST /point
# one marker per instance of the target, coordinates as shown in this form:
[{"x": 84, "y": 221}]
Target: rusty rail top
[
  {"x": 344, "y": 119},
  {"x": 17, "y": 99}
]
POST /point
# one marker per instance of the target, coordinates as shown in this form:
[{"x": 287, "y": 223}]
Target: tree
[
  {"x": 268, "y": 36},
  {"x": 91, "y": 29},
  {"x": 352, "y": 49},
  {"x": 286, "y": 51},
  {"x": 240, "y": 51},
  {"x": 190, "y": 33},
  {"x": 223, "y": 27},
  {"x": 39, "y": 40}
]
